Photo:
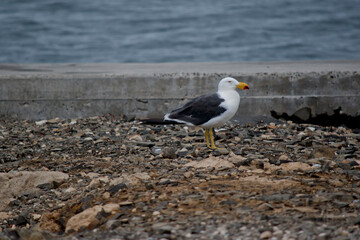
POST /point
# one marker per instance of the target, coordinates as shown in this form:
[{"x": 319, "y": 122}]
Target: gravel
[{"x": 125, "y": 180}]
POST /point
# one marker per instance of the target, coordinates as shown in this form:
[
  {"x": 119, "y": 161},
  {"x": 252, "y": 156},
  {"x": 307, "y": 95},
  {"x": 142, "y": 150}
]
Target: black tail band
[{"x": 157, "y": 121}]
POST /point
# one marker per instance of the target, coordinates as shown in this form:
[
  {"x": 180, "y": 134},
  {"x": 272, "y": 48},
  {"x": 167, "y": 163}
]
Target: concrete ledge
[{"x": 44, "y": 91}]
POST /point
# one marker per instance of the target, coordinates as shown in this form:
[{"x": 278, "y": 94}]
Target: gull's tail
[{"x": 157, "y": 121}]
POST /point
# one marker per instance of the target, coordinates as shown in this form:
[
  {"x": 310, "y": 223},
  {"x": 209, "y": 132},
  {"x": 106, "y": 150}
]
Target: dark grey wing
[{"x": 199, "y": 110}]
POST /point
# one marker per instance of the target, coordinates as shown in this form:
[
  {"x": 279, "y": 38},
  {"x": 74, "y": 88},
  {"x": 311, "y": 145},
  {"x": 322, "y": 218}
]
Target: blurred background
[{"x": 54, "y": 31}]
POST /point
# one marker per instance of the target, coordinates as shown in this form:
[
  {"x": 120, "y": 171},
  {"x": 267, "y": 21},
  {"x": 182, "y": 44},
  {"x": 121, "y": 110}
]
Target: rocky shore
[{"x": 112, "y": 178}]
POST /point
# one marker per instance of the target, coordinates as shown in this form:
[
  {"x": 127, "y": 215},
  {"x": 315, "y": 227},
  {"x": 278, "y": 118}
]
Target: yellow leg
[
  {"x": 207, "y": 137},
  {"x": 212, "y": 138}
]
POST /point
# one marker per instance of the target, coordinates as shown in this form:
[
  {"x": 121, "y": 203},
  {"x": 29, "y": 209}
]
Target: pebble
[
  {"x": 221, "y": 151},
  {"x": 311, "y": 129},
  {"x": 183, "y": 152},
  {"x": 89, "y": 217},
  {"x": 168, "y": 152},
  {"x": 36, "y": 217},
  {"x": 283, "y": 157},
  {"x": 265, "y": 235},
  {"x": 136, "y": 138},
  {"x": 211, "y": 162},
  {"x": 40, "y": 123},
  {"x": 106, "y": 195},
  {"x": 156, "y": 150}
]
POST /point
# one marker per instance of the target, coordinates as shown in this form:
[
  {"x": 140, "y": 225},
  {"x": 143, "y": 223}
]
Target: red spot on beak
[{"x": 246, "y": 87}]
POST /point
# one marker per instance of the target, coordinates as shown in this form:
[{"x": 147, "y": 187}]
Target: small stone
[
  {"x": 258, "y": 163},
  {"x": 168, "y": 152},
  {"x": 337, "y": 144},
  {"x": 115, "y": 188},
  {"x": 106, "y": 195},
  {"x": 265, "y": 207},
  {"x": 278, "y": 233},
  {"x": 112, "y": 224},
  {"x": 183, "y": 152},
  {"x": 238, "y": 160},
  {"x": 336, "y": 182},
  {"x": 163, "y": 228},
  {"x": 323, "y": 236},
  {"x": 295, "y": 166},
  {"x": 131, "y": 179},
  {"x": 23, "y": 218},
  {"x": 73, "y": 121},
  {"x": 311, "y": 129},
  {"x": 54, "y": 120},
  {"x": 276, "y": 197},
  {"x": 284, "y": 157},
  {"x": 126, "y": 203},
  {"x": 29, "y": 234},
  {"x": 345, "y": 165},
  {"x": 36, "y": 216},
  {"x": 211, "y": 162},
  {"x": 136, "y": 138},
  {"x": 41, "y": 122},
  {"x": 145, "y": 144},
  {"x": 88, "y": 218},
  {"x": 50, "y": 221},
  {"x": 324, "y": 151},
  {"x": 97, "y": 182},
  {"x": 111, "y": 208},
  {"x": 70, "y": 190},
  {"x": 266, "y": 235},
  {"x": 165, "y": 181},
  {"x": 221, "y": 151},
  {"x": 188, "y": 174},
  {"x": 45, "y": 186},
  {"x": 156, "y": 150},
  {"x": 156, "y": 213}
]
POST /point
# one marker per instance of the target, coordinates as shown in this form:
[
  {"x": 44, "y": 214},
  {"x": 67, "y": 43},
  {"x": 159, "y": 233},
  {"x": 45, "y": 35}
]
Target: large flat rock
[{"x": 14, "y": 183}]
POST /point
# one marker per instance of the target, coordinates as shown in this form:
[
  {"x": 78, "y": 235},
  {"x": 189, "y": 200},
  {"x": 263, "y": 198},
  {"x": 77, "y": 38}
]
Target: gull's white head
[{"x": 229, "y": 83}]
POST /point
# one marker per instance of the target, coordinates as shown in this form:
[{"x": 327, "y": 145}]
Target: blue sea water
[{"x": 52, "y": 31}]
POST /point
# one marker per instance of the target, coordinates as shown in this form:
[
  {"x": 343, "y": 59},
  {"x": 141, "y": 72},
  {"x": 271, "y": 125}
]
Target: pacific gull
[{"x": 207, "y": 111}]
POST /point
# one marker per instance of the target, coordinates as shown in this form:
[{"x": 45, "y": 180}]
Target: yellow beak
[{"x": 242, "y": 86}]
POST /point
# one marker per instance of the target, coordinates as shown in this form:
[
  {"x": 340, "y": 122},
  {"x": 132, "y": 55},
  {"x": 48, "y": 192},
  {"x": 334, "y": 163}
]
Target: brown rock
[
  {"x": 295, "y": 166},
  {"x": 49, "y": 221},
  {"x": 211, "y": 162},
  {"x": 288, "y": 167},
  {"x": 136, "y": 138},
  {"x": 283, "y": 157},
  {"x": 236, "y": 159},
  {"x": 324, "y": 151},
  {"x": 266, "y": 235},
  {"x": 131, "y": 179},
  {"x": 87, "y": 218},
  {"x": 168, "y": 152},
  {"x": 305, "y": 209},
  {"x": 97, "y": 182}
]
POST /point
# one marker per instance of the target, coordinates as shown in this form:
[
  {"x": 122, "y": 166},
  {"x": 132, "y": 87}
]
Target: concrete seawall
[{"x": 306, "y": 89}]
